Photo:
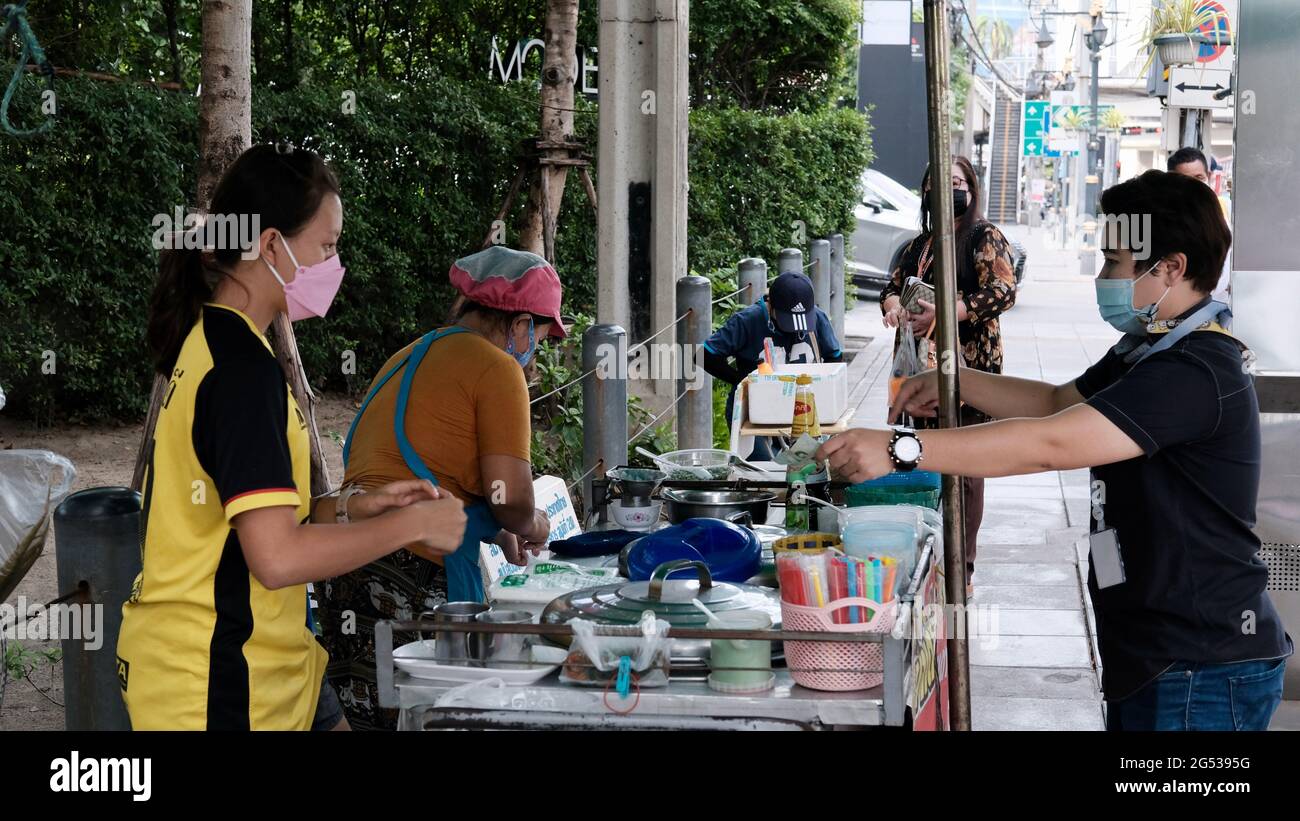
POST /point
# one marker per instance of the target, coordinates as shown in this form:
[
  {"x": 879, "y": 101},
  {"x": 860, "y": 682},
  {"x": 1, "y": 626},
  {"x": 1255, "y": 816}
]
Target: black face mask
[{"x": 960, "y": 201}]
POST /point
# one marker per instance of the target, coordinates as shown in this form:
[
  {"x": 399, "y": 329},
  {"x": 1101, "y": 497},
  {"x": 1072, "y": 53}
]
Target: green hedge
[{"x": 423, "y": 170}]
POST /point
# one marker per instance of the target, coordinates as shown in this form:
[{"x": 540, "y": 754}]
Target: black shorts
[{"x": 329, "y": 712}]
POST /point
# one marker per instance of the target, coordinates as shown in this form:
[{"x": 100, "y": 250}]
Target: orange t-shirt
[{"x": 469, "y": 399}]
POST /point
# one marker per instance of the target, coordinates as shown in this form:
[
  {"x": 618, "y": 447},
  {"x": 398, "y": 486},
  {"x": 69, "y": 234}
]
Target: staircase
[{"x": 1003, "y": 202}]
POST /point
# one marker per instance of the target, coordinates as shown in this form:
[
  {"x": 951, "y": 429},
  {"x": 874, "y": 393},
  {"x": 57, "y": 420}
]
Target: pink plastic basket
[{"x": 846, "y": 665}]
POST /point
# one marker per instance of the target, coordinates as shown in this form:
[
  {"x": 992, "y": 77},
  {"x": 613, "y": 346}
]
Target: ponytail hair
[{"x": 282, "y": 188}]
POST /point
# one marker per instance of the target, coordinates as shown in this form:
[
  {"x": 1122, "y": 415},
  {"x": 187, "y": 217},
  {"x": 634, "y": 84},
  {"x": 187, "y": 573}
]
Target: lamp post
[{"x": 1095, "y": 40}]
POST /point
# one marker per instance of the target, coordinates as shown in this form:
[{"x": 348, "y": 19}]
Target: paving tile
[
  {"x": 995, "y": 553},
  {"x": 992, "y": 713},
  {"x": 1028, "y": 597},
  {"x": 1007, "y": 622},
  {"x": 1034, "y": 682},
  {"x": 1031, "y": 573},
  {"x": 1026, "y": 651},
  {"x": 1013, "y": 493}
]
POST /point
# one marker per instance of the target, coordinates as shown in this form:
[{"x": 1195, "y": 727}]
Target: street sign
[
  {"x": 1197, "y": 87},
  {"x": 1214, "y": 54},
  {"x": 1035, "y": 121}
]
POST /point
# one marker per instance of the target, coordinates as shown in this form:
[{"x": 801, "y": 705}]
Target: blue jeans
[{"x": 1203, "y": 697}]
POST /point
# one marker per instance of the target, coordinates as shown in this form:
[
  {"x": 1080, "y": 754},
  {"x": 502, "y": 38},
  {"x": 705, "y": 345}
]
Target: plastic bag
[
  {"x": 492, "y": 694},
  {"x": 597, "y": 650},
  {"x": 546, "y": 580},
  {"x": 32, "y": 484}
]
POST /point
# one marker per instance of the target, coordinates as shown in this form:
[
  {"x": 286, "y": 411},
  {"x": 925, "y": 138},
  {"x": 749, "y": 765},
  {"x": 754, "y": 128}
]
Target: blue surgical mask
[
  {"x": 1115, "y": 302},
  {"x": 524, "y": 357}
]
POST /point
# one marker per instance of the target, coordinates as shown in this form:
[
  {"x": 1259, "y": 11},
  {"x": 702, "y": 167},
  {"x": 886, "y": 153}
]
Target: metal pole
[
  {"x": 604, "y": 402},
  {"x": 837, "y": 286},
  {"x": 695, "y": 413},
  {"x": 97, "y": 550},
  {"x": 752, "y": 272},
  {"x": 790, "y": 259},
  {"x": 1088, "y": 254},
  {"x": 820, "y": 273},
  {"x": 937, "y": 97}
]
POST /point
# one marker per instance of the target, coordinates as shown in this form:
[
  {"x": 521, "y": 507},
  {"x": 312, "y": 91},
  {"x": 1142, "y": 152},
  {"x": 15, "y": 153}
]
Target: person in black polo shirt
[{"x": 1168, "y": 421}]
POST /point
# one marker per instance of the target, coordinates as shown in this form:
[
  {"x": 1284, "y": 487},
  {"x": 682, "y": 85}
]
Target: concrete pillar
[
  {"x": 790, "y": 259},
  {"x": 752, "y": 271},
  {"x": 641, "y": 246},
  {"x": 838, "y": 286},
  {"x": 820, "y": 274},
  {"x": 604, "y": 402},
  {"x": 695, "y": 410}
]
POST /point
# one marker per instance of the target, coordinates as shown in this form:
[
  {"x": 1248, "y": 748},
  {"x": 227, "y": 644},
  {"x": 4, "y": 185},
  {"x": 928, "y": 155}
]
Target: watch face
[{"x": 907, "y": 449}]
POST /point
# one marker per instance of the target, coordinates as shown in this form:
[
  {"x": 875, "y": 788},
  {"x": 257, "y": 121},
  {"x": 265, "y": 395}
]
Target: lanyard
[{"x": 1206, "y": 318}]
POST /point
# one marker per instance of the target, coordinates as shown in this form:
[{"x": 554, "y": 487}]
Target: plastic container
[
  {"x": 717, "y": 463},
  {"x": 889, "y": 530},
  {"x": 770, "y": 399},
  {"x": 545, "y": 582},
  {"x": 746, "y": 666},
  {"x": 832, "y": 665},
  {"x": 806, "y": 542},
  {"x": 893, "y": 539},
  {"x": 917, "y": 487}
]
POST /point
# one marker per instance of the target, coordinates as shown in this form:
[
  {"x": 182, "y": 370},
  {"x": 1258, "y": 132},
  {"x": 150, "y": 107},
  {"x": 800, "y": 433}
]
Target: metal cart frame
[{"x": 914, "y": 676}]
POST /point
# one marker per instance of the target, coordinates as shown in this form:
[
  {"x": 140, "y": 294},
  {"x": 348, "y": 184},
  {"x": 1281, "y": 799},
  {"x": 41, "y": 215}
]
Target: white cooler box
[{"x": 771, "y": 400}]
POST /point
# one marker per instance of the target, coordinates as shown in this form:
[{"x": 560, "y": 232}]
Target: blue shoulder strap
[{"x": 413, "y": 360}]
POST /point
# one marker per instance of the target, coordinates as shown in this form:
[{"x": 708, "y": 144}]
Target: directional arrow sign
[
  {"x": 1198, "y": 87},
  {"x": 1034, "y": 124}
]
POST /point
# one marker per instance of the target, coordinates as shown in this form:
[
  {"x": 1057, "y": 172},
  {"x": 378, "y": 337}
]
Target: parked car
[{"x": 888, "y": 217}]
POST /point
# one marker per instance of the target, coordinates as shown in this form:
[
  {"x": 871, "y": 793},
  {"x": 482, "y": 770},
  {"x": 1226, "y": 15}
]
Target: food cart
[{"x": 912, "y": 692}]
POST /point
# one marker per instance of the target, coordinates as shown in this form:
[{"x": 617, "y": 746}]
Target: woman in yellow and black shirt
[{"x": 216, "y": 632}]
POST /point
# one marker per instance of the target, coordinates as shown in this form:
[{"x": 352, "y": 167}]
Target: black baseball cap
[{"x": 791, "y": 299}]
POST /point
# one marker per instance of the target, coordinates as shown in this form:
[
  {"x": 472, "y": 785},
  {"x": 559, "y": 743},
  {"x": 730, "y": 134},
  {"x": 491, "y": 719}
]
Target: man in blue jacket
[{"x": 800, "y": 332}]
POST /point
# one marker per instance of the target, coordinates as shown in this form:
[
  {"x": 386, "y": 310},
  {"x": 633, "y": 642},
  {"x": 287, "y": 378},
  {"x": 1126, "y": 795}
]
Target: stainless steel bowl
[{"x": 747, "y": 507}]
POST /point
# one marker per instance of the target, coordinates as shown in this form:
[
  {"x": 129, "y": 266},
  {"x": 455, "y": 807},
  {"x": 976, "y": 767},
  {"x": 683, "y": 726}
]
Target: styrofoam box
[{"x": 771, "y": 400}]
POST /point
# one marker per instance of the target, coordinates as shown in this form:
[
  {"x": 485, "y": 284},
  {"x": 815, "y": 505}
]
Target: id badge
[{"x": 1107, "y": 562}]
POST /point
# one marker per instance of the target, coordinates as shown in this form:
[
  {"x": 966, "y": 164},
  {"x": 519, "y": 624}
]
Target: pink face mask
[{"x": 313, "y": 287}]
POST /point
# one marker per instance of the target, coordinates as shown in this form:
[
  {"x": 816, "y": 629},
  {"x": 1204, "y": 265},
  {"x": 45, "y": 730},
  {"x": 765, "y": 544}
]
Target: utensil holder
[{"x": 831, "y": 665}]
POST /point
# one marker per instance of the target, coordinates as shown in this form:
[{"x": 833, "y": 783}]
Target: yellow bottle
[{"x": 805, "y": 409}]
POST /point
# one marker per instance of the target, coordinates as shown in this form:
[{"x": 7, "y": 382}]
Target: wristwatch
[
  {"x": 341, "y": 509},
  {"x": 904, "y": 449}
]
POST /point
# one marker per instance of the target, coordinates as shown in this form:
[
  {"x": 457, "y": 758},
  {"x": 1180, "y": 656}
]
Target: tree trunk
[
  {"x": 225, "y": 132},
  {"x": 225, "y": 107},
  {"x": 288, "y": 42},
  {"x": 537, "y": 232},
  {"x": 169, "y": 10}
]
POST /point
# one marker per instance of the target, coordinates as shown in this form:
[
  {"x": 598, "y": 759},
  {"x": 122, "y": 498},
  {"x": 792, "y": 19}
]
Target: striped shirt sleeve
[{"x": 240, "y": 435}]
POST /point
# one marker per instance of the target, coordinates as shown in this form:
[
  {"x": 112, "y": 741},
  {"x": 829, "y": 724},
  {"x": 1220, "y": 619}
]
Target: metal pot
[
  {"x": 670, "y": 599},
  {"x": 743, "y": 507}
]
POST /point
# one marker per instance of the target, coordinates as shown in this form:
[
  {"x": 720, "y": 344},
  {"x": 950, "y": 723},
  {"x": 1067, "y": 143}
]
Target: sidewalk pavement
[{"x": 1041, "y": 673}]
